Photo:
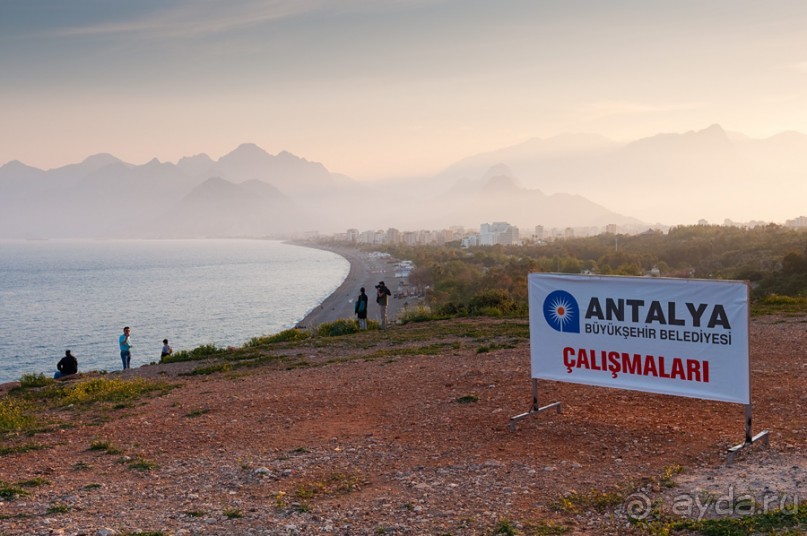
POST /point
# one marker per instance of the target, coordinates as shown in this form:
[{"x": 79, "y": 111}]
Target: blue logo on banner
[{"x": 561, "y": 312}]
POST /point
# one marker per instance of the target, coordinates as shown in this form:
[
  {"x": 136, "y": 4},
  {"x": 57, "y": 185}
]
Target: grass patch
[
  {"x": 195, "y": 513},
  {"x": 289, "y": 335},
  {"x": 778, "y": 304},
  {"x": 494, "y": 346},
  {"x": 19, "y": 449},
  {"x": 142, "y": 464},
  {"x": 197, "y": 354},
  {"x": 10, "y": 492},
  {"x": 421, "y": 314},
  {"x": 599, "y": 501},
  {"x": 104, "y": 446},
  {"x": 338, "y": 327},
  {"x": 197, "y": 413},
  {"x": 211, "y": 369},
  {"x": 667, "y": 478},
  {"x": 545, "y": 529},
  {"x": 789, "y": 520},
  {"x": 14, "y": 417},
  {"x": 58, "y": 509},
  {"x": 467, "y": 399},
  {"x": 29, "y": 381},
  {"x": 333, "y": 484},
  {"x": 91, "y": 391},
  {"x": 504, "y": 528},
  {"x": 233, "y": 513},
  {"x": 33, "y": 482},
  {"x": 92, "y": 486}
]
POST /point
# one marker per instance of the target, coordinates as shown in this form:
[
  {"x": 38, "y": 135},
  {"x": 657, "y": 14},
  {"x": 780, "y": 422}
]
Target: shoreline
[{"x": 365, "y": 271}]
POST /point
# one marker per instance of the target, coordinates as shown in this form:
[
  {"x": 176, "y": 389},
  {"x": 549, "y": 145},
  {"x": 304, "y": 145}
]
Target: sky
[{"x": 386, "y": 88}]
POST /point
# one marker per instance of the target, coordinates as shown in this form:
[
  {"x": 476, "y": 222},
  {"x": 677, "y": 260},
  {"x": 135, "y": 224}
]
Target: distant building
[
  {"x": 393, "y": 236},
  {"x": 798, "y": 223},
  {"x": 539, "y": 232},
  {"x": 498, "y": 232},
  {"x": 610, "y": 228},
  {"x": 470, "y": 241}
]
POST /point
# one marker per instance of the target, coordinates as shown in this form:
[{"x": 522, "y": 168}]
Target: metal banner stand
[
  {"x": 535, "y": 408},
  {"x": 749, "y": 440}
]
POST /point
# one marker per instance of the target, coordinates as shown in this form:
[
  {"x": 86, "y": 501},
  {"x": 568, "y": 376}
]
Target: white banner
[{"x": 672, "y": 336}]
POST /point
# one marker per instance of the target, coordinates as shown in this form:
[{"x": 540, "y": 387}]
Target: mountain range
[{"x": 579, "y": 180}]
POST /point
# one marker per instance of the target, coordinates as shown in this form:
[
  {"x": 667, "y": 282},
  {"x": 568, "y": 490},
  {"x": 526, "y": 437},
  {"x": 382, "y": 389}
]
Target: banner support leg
[
  {"x": 749, "y": 439},
  {"x": 535, "y": 407}
]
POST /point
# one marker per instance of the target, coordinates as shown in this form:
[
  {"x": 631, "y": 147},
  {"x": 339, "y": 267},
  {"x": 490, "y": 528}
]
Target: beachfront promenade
[{"x": 366, "y": 270}]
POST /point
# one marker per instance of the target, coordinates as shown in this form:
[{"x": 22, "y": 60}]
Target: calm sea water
[{"x": 78, "y": 295}]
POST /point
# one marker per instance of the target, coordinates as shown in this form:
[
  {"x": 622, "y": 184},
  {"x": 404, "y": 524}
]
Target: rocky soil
[{"x": 377, "y": 434}]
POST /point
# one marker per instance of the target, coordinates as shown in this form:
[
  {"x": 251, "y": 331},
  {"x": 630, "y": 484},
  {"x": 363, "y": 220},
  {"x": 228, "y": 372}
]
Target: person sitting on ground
[
  {"x": 167, "y": 350},
  {"x": 66, "y": 366}
]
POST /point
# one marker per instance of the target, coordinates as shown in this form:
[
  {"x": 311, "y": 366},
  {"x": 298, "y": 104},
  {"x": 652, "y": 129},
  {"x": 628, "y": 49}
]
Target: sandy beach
[{"x": 367, "y": 269}]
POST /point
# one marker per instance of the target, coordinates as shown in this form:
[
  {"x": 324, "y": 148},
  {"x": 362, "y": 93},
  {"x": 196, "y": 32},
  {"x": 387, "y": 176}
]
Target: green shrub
[
  {"x": 421, "y": 314},
  {"x": 289, "y": 335},
  {"x": 9, "y": 492},
  {"x": 5, "y": 451},
  {"x": 198, "y": 353},
  {"x": 338, "y": 327},
  {"x": 34, "y": 380},
  {"x": 491, "y": 302},
  {"x": 99, "y": 389},
  {"x": 212, "y": 369},
  {"x": 105, "y": 446},
  {"x": 14, "y": 417}
]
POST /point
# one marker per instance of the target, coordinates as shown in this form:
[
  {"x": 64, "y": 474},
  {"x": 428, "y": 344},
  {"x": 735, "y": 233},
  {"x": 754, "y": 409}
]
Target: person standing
[
  {"x": 167, "y": 350},
  {"x": 382, "y": 297},
  {"x": 125, "y": 342},
  {"x": 361, "y": 309},
  {"x": 66, "y": 366}
]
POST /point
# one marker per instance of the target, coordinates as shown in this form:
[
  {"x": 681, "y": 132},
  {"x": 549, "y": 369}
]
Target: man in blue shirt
[{"x": 125, "y": 343}]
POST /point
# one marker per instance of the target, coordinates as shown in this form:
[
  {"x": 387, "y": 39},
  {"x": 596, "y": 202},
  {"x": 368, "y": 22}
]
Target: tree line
[{"x": 491, "y": 280}]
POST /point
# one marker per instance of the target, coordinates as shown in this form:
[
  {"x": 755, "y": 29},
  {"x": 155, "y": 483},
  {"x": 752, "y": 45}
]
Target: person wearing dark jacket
[
  {"x": 66, "y": 366},
  {"x": 381, "y": 298},
  {"x": 361, "y": 309}
]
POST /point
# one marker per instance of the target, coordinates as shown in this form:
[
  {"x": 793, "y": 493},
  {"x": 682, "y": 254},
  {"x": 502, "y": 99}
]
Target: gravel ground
[{"x": 385, "y": 446}]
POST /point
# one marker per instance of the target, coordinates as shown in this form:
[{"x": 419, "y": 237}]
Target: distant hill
[
  {"x": 500, "y": 196},
  {"x": 573, "y": 180},
  {"x": 247, "y": 192},
  {"x": 219, "y": 208},
  {"x": 668, "y": 178}
]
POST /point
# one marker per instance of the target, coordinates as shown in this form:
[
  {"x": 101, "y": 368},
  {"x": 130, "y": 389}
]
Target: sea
[{"x": 57, "y": 295}]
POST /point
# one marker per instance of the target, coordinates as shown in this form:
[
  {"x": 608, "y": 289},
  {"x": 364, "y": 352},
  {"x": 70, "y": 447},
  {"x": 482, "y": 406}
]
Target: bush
[
  {"x": 491, "y": 302},
  {"x": 97, "y": 390},
  {"x": 289, "y": 335},
  {"x": 421, "y": 314},
  {"x": 201, "y": 352},
  {"x": 339, "y": 327},
  {"x": 34, "y": 380},
  {"x": 13, "y": 417}
]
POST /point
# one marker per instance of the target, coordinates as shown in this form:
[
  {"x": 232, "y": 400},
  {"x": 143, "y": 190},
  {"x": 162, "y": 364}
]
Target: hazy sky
[{"x": 380, "y": 88}]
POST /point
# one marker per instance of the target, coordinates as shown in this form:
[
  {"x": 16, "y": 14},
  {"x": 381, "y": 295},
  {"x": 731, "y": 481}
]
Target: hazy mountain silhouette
[
  {"x": 669, "y": 178},
  {"x": 577, "y": 180},
  {"x": 500, "y": 195},
  {"x": 219, "y": 208},
  {"x": 245, "y": 193}
]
